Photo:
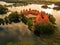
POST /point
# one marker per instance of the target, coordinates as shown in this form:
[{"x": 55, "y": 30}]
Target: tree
[
  {"x": 45, "y": 6},
  {"x": 24, "y": 19},
  {"x": 3, "y": 10},
  {"x": 30, "y": 23},
  {"x": 44, "y": 29},
  {"x": 6, "y": 20},
  {"x": 52, "y": 19},
  {"x": 48, "y": 29},
  {"x": 37, "y": 30},
  {"x": 1, "y": 21},
  {"x": 14, "y": 17},
  {"x": 57, "y": 8}
]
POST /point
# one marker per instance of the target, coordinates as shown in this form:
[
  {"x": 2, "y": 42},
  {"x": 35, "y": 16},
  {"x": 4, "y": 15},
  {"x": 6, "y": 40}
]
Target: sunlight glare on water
[{"x": 49, "y": 11}]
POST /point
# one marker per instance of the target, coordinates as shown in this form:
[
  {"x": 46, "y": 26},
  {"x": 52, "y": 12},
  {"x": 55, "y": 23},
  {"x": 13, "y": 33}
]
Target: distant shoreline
[{"x": 33, "y": 2}]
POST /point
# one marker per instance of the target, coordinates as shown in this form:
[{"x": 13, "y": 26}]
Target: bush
[
  {"x": 44, "y": 29},
  {"x": 3, "y": 10}
]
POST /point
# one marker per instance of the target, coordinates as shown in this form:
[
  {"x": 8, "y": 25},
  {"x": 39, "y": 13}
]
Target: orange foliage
[{"x": 41, "y": 17}]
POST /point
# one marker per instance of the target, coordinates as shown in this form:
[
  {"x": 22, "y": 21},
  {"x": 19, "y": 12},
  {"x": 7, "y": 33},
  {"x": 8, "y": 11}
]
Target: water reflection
[{"x": 19, "y": 32}]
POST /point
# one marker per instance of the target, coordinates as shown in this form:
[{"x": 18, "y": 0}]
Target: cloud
[{"x": 14, "y": 33}]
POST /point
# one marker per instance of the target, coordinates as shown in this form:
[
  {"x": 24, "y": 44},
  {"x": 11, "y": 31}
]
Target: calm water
[
  {"x": 20, "y": 32},
  {"x": 55, "y": 13}
]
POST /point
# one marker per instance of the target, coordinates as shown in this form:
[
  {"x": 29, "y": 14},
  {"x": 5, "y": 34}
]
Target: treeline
[
  {"x": 9, "y": 19},
  {"x": 15, "y": 18}
]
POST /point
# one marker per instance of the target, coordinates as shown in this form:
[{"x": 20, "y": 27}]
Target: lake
[{"x": 20, "y": 32}]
